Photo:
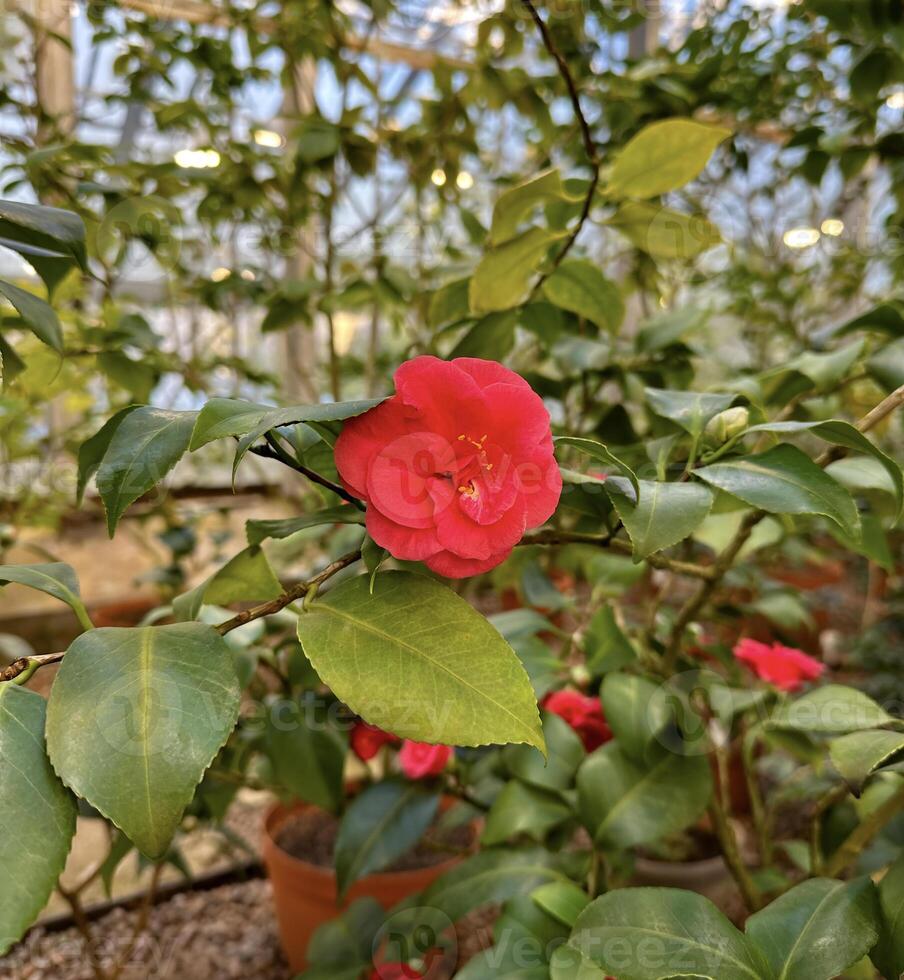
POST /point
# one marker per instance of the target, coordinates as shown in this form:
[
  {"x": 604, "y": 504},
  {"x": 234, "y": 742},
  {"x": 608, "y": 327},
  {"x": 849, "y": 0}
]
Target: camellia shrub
[{"x": 580, "y": 750}]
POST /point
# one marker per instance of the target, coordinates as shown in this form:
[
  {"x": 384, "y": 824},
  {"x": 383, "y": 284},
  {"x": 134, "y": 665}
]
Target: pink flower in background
[
  {"x": 455, "y": 466},
  {"x": 784, "y": 667},
  {"x": 420, "y": 760},
  {"x": 367, "y": 740},
  {"x": 584, "y": 714}
]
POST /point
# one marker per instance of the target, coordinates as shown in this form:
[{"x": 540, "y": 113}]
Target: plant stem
[
  {"x": 757, "y": 810},
  {"x": 861, "y": 836},
  {"x": 273, "y": 450},
  {"x": 752, "y": 896},
  {"x": 835, "y": 795}
]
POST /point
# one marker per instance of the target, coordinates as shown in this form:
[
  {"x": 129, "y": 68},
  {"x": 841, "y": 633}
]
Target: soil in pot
[
  {"x": 298, "y": 851},
  {"x": 310, "y": 835}
]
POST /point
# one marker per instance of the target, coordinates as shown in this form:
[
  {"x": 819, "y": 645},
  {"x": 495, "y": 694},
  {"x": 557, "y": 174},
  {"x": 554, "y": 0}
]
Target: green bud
[{"x": 726, "y": 425}]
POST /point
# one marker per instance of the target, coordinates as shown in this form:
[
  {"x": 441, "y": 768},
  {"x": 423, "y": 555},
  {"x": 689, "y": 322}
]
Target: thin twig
[
  {"x": 273, "y": 450},
  {"x": 587, "y": 137},
  {"x": 862, "y": 835},
  {"x": 291, "y": 595}
]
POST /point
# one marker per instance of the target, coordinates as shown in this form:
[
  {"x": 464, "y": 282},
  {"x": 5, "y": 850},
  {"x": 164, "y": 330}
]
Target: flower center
[
  {"x": 470, "y": 490},
  {"x": 481, "y": 453}
]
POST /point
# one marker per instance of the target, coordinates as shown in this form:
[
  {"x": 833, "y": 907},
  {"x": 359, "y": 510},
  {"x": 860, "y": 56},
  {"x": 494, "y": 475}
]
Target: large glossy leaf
[
  {"x": 517, "y": 203},
  {"x": 415, "y": 658},
  {"x": 663, "y": 157},
  {"x": 54, "y": 578},
  {"x": 563, "y": 900},
  {"x": 663, "y": 515},
  {"x": 596, "y": 450},
  {"x": 503, "y": 276},
  {"x": 276, "y": 417},
  {"x": 258, "y": 531},
  {"x": 659, "y": 933},
  {"x": 844, "y": 434},
  {"x": 606, "y": 646},
  {"x": 783, "y": 480},
  {"x": 858, "y": 755},
  {"x": 624, "y": 804},
  {"x": 39, "y": 316},
  {"x": 580, "y": 287},
  {"x": 522, "y": 809},
  {"x": 637, "y": 709},
  {"x": 136, "y": 716},
  {"x": 818, "y": 929},
  {"x": 247, "y": 577},
  {"x": 689, "y": 409},
  {"x": 490, "y": 877},
  {"x": 52, "y": 240},
  {"x": 221, "y": 418},
  {"x": 145, "y": 446},
  {"x": 888, "y": 954},
  {"x": 92, "y": 451},
  {"x": 381, "y": 825},
  {"x": 662, "y": 232},
  {"x": 830, "y": 710},
  {"x": 37, "y": 814}
]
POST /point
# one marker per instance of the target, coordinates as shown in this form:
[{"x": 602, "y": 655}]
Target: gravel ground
[{"x": 225, "y": 934}]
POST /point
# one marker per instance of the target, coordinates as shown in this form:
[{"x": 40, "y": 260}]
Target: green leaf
[
  {"x": 662, "y": 232},
  {"x": 660, "y": 933},
  {"x": 56, "y": 579},
  {"x": 381, "y": 825},
  {"x": 825, "y": 370},
  {"x": 563, "y": 900},
  {"x": 503, "y": 276},
  {"x": 146, "y": 445},
  {"x": 662, "y": 157},
  {"x": 637, "y": 710},
  {"x": 39, "y": 315},
  {"x": 36, "y": 811},
  {"x": 565, "y": 753},
  {"x": 92, "y": 451},
  {"x": 136, "y": 716},
  {"x": 669, "y": 328},
  {"x": 277, "y": 417},
  {"x": 11, "y": 365},
  {"x": 221, "y": 418},
  {"x": 596, "y": 450},
  {"x": 888, "y": 954},
  {"x": 522, "y": 809},
  {"x": 605, "y": 645},
  {"x": 418, "y": 660},
  {"x": 689, "y": 409},
  {"x": 858, "y": 755},
  {"x": 844, "y": 434},
  {"x": 491, "y": 338},
  {"x": 449, "y": 304},
  {"x": 258, "y": 531},
  {"x": 624, "y": 804},
  {"x": 831, "y": 710},
  {"x": 664, "y": 514},
  {"x": 246, "y": 577},
  {"x": 306, "y": 753},
  {"x": 818, "y": 929},
  {"x": 517, "y": 203},
  {"x": 783, "y": 480},
  {"x": 51, "y": 239},
  {"x": 490, "y": 878},
  {"x": 578, "y": 286}
]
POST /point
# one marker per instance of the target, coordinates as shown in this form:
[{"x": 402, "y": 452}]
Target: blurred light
[
  {"x": 833, "y": 227},
  {"x": 345, "y": 326},
  {"x": 800, "y": 237},
  {"x": 438, "y": 177},
  {"x": 662, "y": 302},
  {"x": 896, "y": 100},
  {"x": 27, "y": 267},
  {"x": 267, "y": 137},
  {"x": 464, "y": 181},
  {"x": 248, "y": 275},
  {"x": 219, "y": 274},
  {"x": 197, "y": 159}
]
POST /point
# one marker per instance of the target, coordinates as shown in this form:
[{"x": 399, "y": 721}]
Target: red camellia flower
[
  {"x": 788, "y": 669},
  {"x": 367, "y": 740},
  {"x": 584, "y": 714},
  {"x": 420, "y": 760},
  {"x": 455, "y": 466}
]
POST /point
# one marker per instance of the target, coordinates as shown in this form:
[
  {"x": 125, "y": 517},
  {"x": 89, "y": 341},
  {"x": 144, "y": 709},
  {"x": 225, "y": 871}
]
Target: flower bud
[{"x": 726, "y": 425}]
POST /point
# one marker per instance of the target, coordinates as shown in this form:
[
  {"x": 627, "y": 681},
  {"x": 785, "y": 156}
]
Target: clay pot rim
[{"x": 279, "y": 813}]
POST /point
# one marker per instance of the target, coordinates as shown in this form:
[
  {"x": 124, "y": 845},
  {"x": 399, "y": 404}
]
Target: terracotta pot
[{"x": 306, "y": 895}]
